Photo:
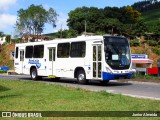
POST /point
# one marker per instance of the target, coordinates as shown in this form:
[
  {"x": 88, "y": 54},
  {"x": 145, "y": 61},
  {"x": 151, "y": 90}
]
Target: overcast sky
[{"x": 9, "y": 8}]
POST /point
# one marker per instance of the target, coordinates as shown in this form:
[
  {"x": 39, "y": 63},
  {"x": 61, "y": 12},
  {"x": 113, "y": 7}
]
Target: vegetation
[
  {"x": 1, "y": 34},
  {"x": 35, "y": 96},
  {"x": 149, "y": 77},
  {"x": 152, "y": 43},
  {"x": 5, "y": 59},
  {"x": 2, "y": 71},
  {"x": 113, "y": 20},
  {"x": 146, "y": 5},
  {"x": 156, "y": 50},
  {"x": 135, "y": 43},
  {"x": 33, "y": 19}
]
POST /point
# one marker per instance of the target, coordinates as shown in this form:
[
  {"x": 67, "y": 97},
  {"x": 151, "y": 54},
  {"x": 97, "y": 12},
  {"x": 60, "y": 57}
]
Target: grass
[
  {"x": 147, "y": 77},
  {"x": 16, "y": 95}
]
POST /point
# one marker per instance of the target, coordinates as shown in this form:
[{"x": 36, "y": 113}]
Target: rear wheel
[
  {"x": 33, "y": 74},
  {"x": 81, "y": 77},
  {"x": 55, "y": 79}
]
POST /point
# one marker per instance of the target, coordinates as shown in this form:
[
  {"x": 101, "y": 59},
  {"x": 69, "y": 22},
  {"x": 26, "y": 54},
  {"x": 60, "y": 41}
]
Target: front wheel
[
  {"x": 104, "y": 82},
  {"x": 33, "y": 74},
  {"x": 81, "y": 77}
]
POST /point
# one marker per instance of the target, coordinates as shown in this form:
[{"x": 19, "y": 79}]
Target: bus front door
[
  {"x": 52, "y": 52},
  {"x": 21, "y": 60},
  {"x": 97, "y": 61}
]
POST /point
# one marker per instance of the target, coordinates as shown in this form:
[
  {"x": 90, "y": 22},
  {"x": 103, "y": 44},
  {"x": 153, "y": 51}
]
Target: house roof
[{"x": 142, "y": 61}]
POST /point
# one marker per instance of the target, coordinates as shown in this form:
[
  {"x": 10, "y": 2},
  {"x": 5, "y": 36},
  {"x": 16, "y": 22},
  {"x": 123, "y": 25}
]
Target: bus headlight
[{"x": 108, "y": 70}]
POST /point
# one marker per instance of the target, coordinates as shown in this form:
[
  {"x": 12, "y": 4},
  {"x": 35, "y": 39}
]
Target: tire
[
  {"x": 56, "y": 79},
  {"x": 81, "y": 77},
  {"x": 33, "y": 74},
  {"x": 104, "y": 82}
]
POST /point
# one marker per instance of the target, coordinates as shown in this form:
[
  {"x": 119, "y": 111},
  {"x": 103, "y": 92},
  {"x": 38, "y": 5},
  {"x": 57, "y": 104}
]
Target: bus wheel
[
  {"x": 55, "y": 79},
  {"x": 81, "y": 77},
  {"x": 33, "y": 74},
  {"x": 104, "y": 82}
]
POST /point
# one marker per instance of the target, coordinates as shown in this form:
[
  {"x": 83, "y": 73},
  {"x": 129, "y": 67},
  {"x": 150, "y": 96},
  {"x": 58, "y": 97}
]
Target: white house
[{"x": 2, "y": 40}]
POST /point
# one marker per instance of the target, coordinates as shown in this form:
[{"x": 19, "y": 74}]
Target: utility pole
[
  {"x": 61, "y": 31},
  {"x": 85, "y": 26}
]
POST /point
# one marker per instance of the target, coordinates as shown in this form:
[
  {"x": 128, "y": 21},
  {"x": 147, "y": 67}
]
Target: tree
[
  {"x": 80, "y": 16},
  {"x": 32, "y": 20},
  {"x": 1, "y": 34},
  {"x": 112, "y": 20},
  {"x": 8, "y": 39}
]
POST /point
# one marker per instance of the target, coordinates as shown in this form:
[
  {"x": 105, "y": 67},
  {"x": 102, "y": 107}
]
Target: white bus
[{"x": 86, "y": 58}]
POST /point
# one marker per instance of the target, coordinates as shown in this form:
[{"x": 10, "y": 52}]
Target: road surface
[{"x": 130, "y": 88}]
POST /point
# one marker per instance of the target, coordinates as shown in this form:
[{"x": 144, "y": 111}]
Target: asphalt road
[{"x": 130, "y": 88}]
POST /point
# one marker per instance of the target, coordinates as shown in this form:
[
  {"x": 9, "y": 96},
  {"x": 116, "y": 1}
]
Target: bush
[
  {"x": 135, "y": 43},
  {"x": 156, "y": 50},
  {"x": 2, "y": 71},
  {"x": 152, "y": 43}
]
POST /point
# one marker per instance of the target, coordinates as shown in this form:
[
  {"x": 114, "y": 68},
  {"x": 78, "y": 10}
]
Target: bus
[{"x": 99, "y": 57}]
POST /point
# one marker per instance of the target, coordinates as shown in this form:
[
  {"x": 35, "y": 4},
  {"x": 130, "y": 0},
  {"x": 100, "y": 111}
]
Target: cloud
[
  {"x": 7, "y": 20},
  {"x": 4, "y": 4}
]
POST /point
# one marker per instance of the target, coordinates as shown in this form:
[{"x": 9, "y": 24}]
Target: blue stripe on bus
[{"x": 109, "y": 76}]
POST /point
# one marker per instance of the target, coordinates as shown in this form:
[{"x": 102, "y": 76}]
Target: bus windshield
[{"x": 117, "y": 52}]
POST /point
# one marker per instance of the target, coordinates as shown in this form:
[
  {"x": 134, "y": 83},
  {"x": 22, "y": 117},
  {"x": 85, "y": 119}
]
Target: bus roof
[{"x": 63, "y": 40}]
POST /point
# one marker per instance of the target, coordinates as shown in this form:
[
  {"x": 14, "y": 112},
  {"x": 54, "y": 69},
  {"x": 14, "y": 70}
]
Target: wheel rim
[
  {"x": 33, "y": 74},
  {"x": 81, "y": 77}
]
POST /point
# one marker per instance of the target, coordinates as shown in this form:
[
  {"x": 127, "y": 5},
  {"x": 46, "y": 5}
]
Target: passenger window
[
  {"x": 63, "y": 50},
  {"x": 78, "y": 49},
  {"x": 29, "y": 52},
  {"x": 38, "y": 51}
]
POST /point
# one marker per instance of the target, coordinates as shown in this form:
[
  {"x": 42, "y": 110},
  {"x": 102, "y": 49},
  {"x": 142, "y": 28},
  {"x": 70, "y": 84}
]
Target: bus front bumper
[{"x": 112, "y": 76}]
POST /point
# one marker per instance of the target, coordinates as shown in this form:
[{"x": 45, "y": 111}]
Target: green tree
[
  {"x": 8, "y": 38},
  {"x": 32, "y": 20},
  {"x": 80, "y": 16},
  {"x": 67, "y": 34},
  {"x": 1, "y": 34}
]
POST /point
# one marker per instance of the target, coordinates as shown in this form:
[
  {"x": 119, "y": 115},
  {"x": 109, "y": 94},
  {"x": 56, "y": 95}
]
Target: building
[
  {"x": 141, "y": 63},
  {"x": 34, "y": 38},
  {"x": 2, "y": 40}
]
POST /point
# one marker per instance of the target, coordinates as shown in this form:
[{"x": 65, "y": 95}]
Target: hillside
[
  {"x": 151, "y": 16},
  {"x": 5, "y": 59},
  {"x": 152, "y": 20}
]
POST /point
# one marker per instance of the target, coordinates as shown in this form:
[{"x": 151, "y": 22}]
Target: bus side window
[
  {"x": 78, "y": 49},
  {"x": 17, "y": 49},
  {"x": 63, "y": 50},
  {"x": 29, "y": 52},
  {"x": 38, "y": 51}
]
